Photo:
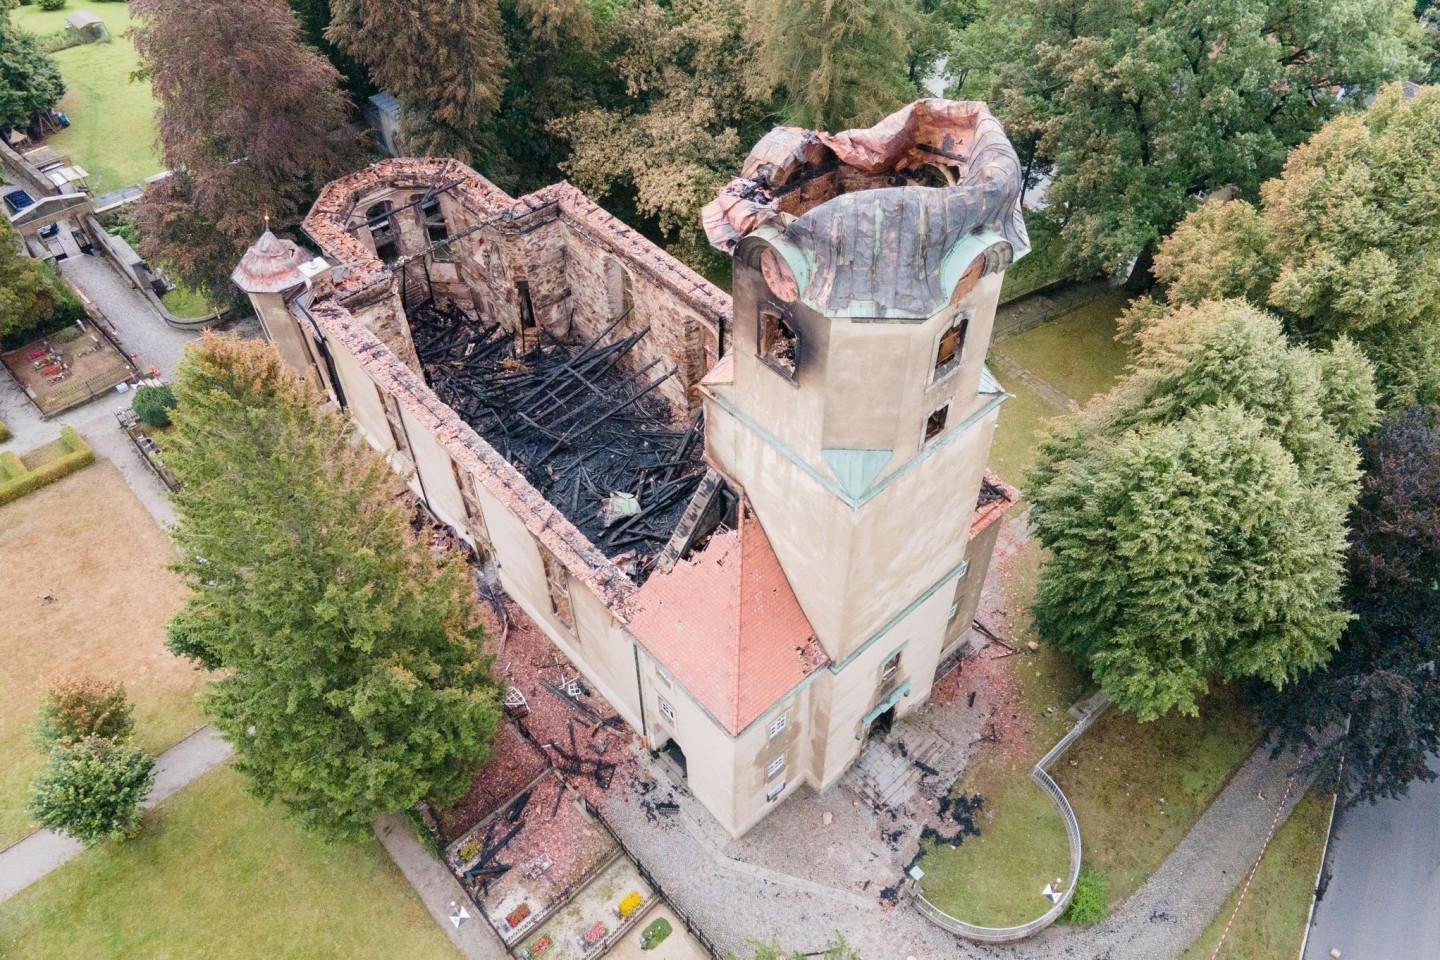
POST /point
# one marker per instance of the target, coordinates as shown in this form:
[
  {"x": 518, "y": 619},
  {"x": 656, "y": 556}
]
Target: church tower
[{"x": 858, "y": 412}]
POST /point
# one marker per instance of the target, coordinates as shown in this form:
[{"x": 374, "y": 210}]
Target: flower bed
[
  {"x": 630, "y": 904},
  {"x": 653, "y": 934},
  {"x": 595, "y": 934},
  {"x": 518, "y": 915},
  {"x": 540, "y": 946}
]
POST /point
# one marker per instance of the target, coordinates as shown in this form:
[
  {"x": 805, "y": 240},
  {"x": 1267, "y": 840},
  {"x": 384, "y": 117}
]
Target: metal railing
[{"x": 1040, "y": 774}]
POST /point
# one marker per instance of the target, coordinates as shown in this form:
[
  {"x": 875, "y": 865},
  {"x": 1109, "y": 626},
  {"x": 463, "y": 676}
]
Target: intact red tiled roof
[{"x": 726, "y": 625}]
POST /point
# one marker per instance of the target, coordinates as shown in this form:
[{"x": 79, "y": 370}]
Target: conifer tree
[
  {"x": 30, "y": 82},
  {"x": 251, "y": 122},
  {"x": 353, "y": 677},
  {"x": 1195, "y": 515},
  {"x": 444, "y": 60}
]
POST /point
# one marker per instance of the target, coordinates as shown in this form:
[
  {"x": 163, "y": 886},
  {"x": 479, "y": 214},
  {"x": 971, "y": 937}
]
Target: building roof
[
  {"x": 726, "y": 625},
  {"x": 272, "y": 265},
  {"x": 872, "y": 222},
  {"x": 81, "y": 19}
]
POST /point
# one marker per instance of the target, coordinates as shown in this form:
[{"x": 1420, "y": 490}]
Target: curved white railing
[{"x": 1041, "y": 775}]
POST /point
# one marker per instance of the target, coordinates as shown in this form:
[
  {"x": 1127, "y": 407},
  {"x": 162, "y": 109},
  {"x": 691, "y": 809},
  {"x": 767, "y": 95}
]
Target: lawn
[
  {"x": 1076, "y": 353},
  {"x": 112, "y": 131},
  {"x": 1022, "y": 419},
  {"x": 186, "y": 303},
  {"x": 1115, "y": 777},
  {"x": 217, "y": 874},
  {"x": 1271, "y": 922},
  {"x": 87, "y": 540}
]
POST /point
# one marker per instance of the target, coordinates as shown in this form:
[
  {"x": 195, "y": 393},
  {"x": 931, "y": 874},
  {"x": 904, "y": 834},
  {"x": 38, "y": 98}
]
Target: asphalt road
[{"x": 1383, "y": 902}]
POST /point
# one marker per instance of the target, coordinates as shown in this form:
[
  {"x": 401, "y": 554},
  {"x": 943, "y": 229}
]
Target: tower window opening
[
  {"x": 951, "y": 347},
  {"x": 435, "y": 227},
  {"x": 935, "y": 425},
  {"x": 779, "y": 346},
  {"x": 382, "y": 231},
  {"x": 527, "y": 308}
]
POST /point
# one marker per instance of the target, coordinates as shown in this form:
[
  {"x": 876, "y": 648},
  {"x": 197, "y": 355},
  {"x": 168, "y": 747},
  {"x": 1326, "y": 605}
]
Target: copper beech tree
[
  {"x": 354, "y": 681},
  {"x": 252, "y": 122}
]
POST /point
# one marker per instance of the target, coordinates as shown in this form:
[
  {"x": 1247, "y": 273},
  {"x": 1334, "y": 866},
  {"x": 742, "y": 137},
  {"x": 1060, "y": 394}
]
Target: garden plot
[
  {"x": 66, "y": 368},
  {"x": 609, "y": 909}
]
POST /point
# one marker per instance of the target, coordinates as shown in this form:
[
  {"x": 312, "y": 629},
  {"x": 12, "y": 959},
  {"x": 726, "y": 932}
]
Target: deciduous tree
[
  {"x": 1142, "y": 106},
  {"x": 75, "y": 707},
  {"x": 1376, "y": 703},
  {"x": 354, "y": 679},
  {"x": 444, "y": 60},
  {"x": 1195, "y": 515},
  {"x": 251, "y": 122},
  {"x": 91, "y": 789},
  {"x": 1344, "y": 243},
  {"x": 32, "y": 296}
]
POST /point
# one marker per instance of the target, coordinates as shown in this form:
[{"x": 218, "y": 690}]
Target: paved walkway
[
  {"x": 438, "y": 889},
  {"x": 1034, "y": 309},
  {"x": 26, "y": 861}
]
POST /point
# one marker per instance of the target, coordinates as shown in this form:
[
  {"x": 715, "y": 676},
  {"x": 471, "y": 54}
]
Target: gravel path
[
  {"x": 139, "y": 327},
  {"x": 26, "y": 861}
]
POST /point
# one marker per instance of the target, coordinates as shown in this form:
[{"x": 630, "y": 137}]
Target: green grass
[
  {"x": 1076, "y": 353},
  {"x": 216, "y": 874},
  {"x": 1271, "y": 922},
  {"x": 186, "y": 303},
  {"x": 1137, "y": 788},
  {"x": 1022, "y": 420},
  {"x": 112, "y": 131},
  {"x": 1114, "y": 776}
]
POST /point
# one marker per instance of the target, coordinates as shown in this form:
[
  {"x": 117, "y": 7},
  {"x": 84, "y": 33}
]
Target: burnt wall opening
[{"x": 582, "y": 422}]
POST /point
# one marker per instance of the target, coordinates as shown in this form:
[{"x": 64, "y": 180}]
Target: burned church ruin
[{"x": 757, "y": 523}]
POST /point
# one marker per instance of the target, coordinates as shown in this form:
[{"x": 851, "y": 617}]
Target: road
[{"x": 1383, "y": 901}]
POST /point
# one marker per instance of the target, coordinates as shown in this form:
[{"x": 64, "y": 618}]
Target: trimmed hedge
[{"x": 16, "y": 479}]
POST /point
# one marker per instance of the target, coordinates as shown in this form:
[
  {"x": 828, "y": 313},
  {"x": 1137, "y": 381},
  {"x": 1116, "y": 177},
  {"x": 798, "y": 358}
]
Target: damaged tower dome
[{"x": 869, "y": 223}]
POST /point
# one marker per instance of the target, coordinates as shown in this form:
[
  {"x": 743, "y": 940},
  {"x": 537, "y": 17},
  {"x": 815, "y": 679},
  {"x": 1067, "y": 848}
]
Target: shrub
[
  {"x": 658, "y": 930},
  {"x": 16, "y": 479},
  {"x": 5, "y": 433},
  {"x": 153, "y": 404},
  {"x": 91, "y": 789},
  {"x": 50, "y": 4},
  {"x": 1087, "y": 906},
  {"x": 74, "y": 708},
  {"x": 180, "y": 641}
]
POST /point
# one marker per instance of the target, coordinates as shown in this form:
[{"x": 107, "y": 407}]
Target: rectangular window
[
  {"x": 527, "y": 308},
  {"x": 474, "y": 519},
  {"x": 951, "y": 347},
  {"x": 435, "y": 227},
  {"x": 397, "y": 425},
  {"x": 777, "y": 726},
  {"x": 558, "y": 579},
  {"x": 779, "y": 346},
  {"x": 954, "y": 611},
  {"x": 666, "y": 709},
  {"x": 935, "y": 424},
  {"x": 776, "y": 788},
  {"x": 776, "y": 766},
  {"x": 892, "y": 667}
]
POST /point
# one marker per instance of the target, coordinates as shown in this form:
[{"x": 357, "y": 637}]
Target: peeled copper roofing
[
  {"x": 860, "y": 207},
  {"x": 272, "y": 265}
]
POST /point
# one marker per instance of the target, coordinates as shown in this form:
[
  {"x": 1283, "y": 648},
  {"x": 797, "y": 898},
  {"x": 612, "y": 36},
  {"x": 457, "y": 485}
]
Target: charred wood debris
[{"x": 581, "y": 422}]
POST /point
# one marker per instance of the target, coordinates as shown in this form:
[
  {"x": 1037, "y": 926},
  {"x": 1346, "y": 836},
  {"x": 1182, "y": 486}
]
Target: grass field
[
  {"x": 186, "y": 303},
  {"x": 215, "y": 874},
  {"x": 1115, "y": 776},
  {"x": 90, "y": 542},
  {"x": 1075, "y": 353},
  {"x": 112, "y": 131},
  {"x": 1271, "y": 921}
]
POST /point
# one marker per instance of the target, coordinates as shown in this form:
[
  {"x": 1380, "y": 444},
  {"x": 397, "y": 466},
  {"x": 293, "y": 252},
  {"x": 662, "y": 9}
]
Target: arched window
[
  {"x": 382, "y": 231},
  {"x": 619, "y": 289}
]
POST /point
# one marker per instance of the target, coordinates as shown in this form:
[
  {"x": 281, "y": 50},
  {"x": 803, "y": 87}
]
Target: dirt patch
[
  {"x": 87, "y": 541},
  {"x": 57, "y": 375}
]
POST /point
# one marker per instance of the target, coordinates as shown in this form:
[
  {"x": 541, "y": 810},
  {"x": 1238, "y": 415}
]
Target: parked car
[{"x": 17, "y": 200}]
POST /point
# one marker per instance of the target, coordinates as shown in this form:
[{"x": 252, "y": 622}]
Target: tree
[
  {"x": 1195, "y": 515},
  {"x": 32, "y": 296},
  {"x": 74, "y": 708},
  {"x": 1142, "y": 107},
  {"x": 354, "y": 682},
  {"x": 251, "y": 123},
  {"x": 444, "y": 60},
  {"x": 1376, "y": 704},
  {"x": 153, "y": 403},
  {"x": 689, "y": 121},
  {"x": 1344, "y": 244},
  {"x": 835, "y": 64},
  {"x": 91, "y": 789},
  {"x": 30, "y": 81}
]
